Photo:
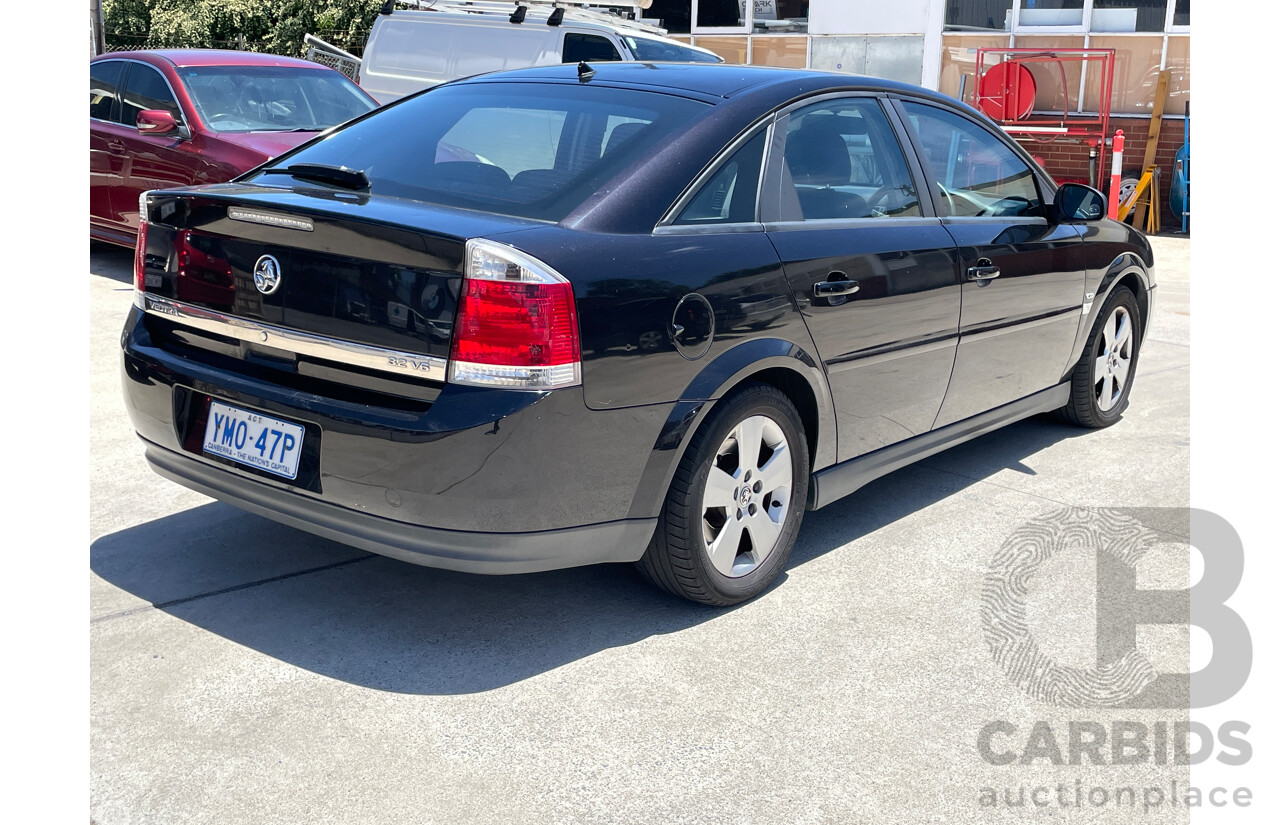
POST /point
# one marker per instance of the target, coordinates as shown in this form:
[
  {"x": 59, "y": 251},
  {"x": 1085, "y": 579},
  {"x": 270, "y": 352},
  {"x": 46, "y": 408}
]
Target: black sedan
[{"x": 620, "y": 313}]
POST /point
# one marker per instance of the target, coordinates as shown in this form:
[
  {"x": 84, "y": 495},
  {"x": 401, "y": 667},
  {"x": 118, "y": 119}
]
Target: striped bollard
[{"x": 1117, "y": 163}]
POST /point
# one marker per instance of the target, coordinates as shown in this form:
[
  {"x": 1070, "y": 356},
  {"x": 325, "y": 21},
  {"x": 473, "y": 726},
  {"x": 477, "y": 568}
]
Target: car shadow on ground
[
  {"x": 111, "y": 261},
  {"x": 393, "y": 626}
]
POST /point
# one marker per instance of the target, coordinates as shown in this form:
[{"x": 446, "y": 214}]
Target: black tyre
[
  {"x": 1104, "y": 374},
  {"x": 735, "y": 503}
]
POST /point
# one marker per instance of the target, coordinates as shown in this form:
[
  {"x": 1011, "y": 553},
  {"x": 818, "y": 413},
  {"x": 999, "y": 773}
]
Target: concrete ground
[{"x": 245, "y": 672}]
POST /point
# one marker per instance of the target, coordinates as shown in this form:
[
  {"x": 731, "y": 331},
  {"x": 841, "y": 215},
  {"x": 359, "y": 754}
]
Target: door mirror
[
  {"x": 1077, "y": 202},
  {"x": 156, "y": 122}
]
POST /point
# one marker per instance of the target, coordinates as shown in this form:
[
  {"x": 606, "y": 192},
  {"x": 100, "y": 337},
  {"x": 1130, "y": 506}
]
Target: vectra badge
[{"x": 266, "y": 274}]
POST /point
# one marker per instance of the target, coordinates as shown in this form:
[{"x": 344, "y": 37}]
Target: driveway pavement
[{"x": 244, "y": 672}]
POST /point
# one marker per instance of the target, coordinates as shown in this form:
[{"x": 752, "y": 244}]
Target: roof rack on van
[{"x": 559, "y": 10}]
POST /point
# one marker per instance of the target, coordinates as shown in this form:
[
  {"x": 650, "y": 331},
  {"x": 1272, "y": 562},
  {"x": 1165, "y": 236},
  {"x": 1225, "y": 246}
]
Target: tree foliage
[{"x": 276, "y": 26}]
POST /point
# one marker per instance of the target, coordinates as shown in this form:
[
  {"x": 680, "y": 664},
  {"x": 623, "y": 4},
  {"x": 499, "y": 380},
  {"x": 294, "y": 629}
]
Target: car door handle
[
  {"x": 984, "y": 271},
  {"x": 830, "y": 289}
]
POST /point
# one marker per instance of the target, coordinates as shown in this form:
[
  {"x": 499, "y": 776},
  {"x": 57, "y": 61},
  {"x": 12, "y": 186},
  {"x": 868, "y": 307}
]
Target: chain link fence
[{"x": 348, "y": 41}]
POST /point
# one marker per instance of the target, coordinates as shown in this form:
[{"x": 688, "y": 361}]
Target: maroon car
[{"x": 159, "y": 119}]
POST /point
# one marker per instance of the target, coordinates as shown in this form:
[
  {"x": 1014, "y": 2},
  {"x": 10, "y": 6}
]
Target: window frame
[
  {"x": 113, "y": 115},
  {"x": 773, "y": 166},
  {"x": 1045, "y": 187},
  {"x": 1085, "y": 26},
  {"x": 184, "y": 122},
  {"x": 667, "y": 223}
]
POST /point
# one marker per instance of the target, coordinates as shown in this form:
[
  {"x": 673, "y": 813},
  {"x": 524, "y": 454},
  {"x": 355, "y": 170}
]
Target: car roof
[
  {"x": 215, "y": 57},
  {"x": 721, "y": 80}
]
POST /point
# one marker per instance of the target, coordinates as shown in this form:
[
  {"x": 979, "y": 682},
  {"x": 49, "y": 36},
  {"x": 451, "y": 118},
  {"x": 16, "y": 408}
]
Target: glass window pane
[
  {"x": 978, "y": 15},
  {"x": 651, "y": 49},
  {"x": 104, "y": 77},
  {"x": 843, "y": 161},
  {"x": 787, "y": 52},
  {"x": 1178, "y": 61},
  {"x": 977, "y": 174},
  {"x": 672, "y": 15},
  {"x": 510, "y": 148},
  {"x": 959, "y": 58},
  {"x": 730, "y": 195},
  {"x": 1137, "y": 70},
  {"x": 589, "y": 47},
  {"x": 1057, "y": 84},
  {"x": 732, "y": 49},
  {"x": 719, "y": 14},
  {"x": 1182, "y": 13},
  {"x": 779, "y": 16},
  {"x": 146, "y": 88},
  {"x": 272, "y": 98},
  {"x": 1128, "y": 15},
  {"x": 1051, "y": 13}
]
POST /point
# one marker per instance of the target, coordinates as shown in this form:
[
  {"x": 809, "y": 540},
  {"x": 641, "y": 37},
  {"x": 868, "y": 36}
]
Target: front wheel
[
  {"x": 735, "y": 504},
  {"x": 1104, "y": 374}
]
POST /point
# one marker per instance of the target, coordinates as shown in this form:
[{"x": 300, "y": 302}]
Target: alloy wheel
[
  {"x": 1111, "y": 368},
  {"x": 747, "y": 496}
]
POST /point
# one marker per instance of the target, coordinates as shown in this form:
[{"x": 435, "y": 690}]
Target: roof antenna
[
  {"x": 517, "y": 16},
  {"x": 585, "y": 72},
  {"x": 557, "y": 17}
]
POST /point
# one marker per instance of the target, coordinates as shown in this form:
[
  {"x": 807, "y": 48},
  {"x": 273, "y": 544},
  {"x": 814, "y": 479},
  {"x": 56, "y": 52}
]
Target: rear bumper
[
  {"x": 480, "y": 480},
  {"x": 468, "y": 552}
]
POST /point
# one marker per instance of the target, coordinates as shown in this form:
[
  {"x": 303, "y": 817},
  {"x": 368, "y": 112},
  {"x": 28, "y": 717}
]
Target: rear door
[
  {"x": 151, "y": 161},
  {"x": 1023, "y": 283},
  {"x": 872, "y": 269}
]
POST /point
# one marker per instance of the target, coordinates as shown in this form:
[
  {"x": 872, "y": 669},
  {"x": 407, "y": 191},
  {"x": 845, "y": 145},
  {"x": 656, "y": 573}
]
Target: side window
[
  {"x": 975, "y": 172},
  {"x": 730, "y": 195},
  {"x": 844, "y": 161},
  {"x": 588, "y": 47},
  {"x": 145, "y": 88},
  {"x": 104, "y": 80}
]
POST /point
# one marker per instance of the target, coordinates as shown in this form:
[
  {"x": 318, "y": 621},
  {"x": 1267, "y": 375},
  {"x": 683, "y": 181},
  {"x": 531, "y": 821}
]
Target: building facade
[{"x": 934, "y": 43}]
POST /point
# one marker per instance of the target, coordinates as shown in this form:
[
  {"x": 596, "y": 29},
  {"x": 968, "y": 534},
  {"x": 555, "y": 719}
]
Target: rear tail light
[
  {"x": 517, "y": 325},
  {"x": 140, "y": 253}
]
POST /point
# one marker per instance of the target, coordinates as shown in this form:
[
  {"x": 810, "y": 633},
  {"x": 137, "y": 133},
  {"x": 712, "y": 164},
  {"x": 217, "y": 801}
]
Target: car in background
[{"x": 159, "y": 119}]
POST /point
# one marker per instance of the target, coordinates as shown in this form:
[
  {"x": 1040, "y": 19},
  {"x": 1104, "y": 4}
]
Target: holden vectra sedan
[
  {"x": 183, "y": 117},
  {"x": 661, "y": 312}
]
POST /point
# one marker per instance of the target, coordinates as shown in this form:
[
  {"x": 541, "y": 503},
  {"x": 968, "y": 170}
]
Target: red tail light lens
[{"x": 517, "y": 325}]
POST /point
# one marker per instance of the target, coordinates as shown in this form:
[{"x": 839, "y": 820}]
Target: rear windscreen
[{"x": 530, "y": 150}]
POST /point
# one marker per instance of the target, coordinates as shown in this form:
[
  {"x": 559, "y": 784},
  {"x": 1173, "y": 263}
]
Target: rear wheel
[
  {"x": 735, "y": 504},
  {"x": 1104, "y": 374}
]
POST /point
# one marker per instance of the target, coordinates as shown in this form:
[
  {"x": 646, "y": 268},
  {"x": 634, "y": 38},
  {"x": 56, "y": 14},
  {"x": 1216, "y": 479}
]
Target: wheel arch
[
  {"x": 776, "y": 362},
  {"x": 1127, "y": 270}
]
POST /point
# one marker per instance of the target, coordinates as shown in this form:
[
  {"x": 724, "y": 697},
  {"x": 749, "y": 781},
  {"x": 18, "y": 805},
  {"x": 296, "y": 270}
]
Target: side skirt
[{"x": 834, "y": 483}]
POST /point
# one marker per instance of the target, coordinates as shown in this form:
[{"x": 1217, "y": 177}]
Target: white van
[{"x": 411, "y": 50}]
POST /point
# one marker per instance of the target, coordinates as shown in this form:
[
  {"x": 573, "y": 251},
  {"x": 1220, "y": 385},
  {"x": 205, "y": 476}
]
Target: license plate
[{"x": 254, "y": 439}]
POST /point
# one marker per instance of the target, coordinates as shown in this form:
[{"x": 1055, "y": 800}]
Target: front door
[
  {"x": 874, "y": 274},
  {"x": 151, "y": 161},
  {"x": 1023, "y": 286}
]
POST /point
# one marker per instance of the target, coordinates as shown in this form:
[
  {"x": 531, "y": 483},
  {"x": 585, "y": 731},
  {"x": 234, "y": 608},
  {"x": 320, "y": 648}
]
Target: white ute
[{"x": 415, "y": 49}]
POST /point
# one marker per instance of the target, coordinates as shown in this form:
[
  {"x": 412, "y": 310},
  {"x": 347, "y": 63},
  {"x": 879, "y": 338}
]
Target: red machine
[{"x": 1005, "y": 89}]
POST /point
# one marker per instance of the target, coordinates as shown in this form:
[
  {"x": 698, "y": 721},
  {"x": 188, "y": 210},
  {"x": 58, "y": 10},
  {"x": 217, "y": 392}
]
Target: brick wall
[{"x": 1070, "y": 161}]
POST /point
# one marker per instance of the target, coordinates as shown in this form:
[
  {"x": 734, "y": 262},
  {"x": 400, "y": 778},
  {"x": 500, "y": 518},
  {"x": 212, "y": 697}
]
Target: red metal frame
[{"x": 1044, "y": 128}]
